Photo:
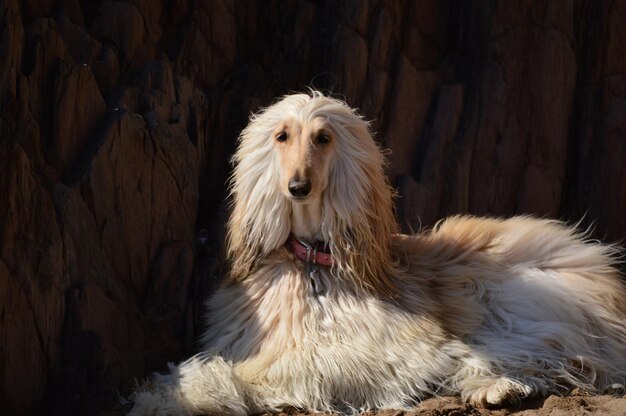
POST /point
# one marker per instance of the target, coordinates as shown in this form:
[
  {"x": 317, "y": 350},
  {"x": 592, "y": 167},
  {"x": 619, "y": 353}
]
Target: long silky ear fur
[
  {"x": 358, "y": 205},
  {"x": 358, "y": 218},
  {"x": 260, "y": 220}
]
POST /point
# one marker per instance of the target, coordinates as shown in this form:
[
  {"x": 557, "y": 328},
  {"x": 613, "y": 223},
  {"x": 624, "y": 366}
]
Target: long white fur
[{"x": 492, "y": 310}]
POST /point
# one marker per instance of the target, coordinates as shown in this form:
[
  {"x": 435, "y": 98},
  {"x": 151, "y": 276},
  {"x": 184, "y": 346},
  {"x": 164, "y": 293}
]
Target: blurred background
[{"x": 118, "y": 119}]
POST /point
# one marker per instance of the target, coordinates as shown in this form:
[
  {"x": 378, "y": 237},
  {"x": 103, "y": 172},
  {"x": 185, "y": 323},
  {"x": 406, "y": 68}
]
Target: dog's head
[
  {"x": 310, "y": 149},
  {"x": 306, "y": 149},
  {"x": 304, "y": 141}
]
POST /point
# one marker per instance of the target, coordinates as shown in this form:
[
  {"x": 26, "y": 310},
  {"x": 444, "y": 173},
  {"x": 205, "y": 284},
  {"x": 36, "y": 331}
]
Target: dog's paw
[
  {"x": 616, "y": 389},
  {"x": 499, "y": 392}
]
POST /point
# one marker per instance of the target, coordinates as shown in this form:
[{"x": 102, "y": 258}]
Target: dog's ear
[
  {"x": 260, "y": 217},
  {"x": 359, "y": 207}
]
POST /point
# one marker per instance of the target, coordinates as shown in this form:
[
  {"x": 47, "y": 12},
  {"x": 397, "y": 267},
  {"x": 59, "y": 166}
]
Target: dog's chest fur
[{"x": 278, "y": 332}]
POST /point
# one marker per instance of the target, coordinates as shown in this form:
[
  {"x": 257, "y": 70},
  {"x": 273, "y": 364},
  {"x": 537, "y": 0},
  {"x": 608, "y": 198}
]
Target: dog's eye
[
  {"x": 323, "y": 139},
  {"x": 281, "y": 137}
]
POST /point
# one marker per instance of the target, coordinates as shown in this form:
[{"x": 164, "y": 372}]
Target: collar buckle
[{"x": 310, "y": 253}]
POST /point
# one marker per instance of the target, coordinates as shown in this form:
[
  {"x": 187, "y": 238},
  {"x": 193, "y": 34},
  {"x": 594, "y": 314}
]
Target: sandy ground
[{"x": 574, "y": 405}]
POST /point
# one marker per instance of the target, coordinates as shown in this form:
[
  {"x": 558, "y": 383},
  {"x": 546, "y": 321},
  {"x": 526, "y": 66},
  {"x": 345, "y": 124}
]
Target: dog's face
[{"x": 306, "y": 153}]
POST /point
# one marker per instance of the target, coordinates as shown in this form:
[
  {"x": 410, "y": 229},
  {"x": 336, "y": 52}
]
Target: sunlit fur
[{"x": 492, "y": 310}]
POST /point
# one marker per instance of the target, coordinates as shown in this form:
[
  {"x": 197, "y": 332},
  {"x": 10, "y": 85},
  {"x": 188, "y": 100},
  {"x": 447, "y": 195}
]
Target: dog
[{"x": 328, "y": 308}]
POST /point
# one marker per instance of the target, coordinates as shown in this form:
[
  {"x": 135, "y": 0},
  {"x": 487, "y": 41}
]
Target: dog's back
[{"x": 532, "y": 296}]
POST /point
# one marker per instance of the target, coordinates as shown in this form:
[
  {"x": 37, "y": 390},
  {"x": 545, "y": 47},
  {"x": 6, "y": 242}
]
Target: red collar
[{"x": 311, "y": 254}]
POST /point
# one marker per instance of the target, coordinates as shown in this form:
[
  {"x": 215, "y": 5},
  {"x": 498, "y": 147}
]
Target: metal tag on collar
[
  {"x": 314, "y": 274},
  {"x": 313, "y": 269}
]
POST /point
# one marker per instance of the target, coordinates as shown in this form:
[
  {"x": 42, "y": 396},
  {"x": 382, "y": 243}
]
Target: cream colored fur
[{"x": 492, "y": 310}]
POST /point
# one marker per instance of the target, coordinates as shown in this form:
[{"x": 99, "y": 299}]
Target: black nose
[{"x": 299, "y": 189}]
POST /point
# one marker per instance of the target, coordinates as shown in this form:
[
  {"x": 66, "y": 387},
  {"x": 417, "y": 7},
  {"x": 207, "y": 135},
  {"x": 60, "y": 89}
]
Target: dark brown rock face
[{"x": 117, "y": 119}]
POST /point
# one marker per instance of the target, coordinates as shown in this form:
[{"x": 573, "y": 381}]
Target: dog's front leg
[{"x": 198, "y": 386}]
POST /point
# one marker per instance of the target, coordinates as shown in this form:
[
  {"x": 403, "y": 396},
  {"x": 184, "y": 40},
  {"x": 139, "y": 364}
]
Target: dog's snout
[{"x": 299, "y": 189}]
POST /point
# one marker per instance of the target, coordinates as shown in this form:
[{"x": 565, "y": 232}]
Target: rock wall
[{"x": 117, "y": 119}]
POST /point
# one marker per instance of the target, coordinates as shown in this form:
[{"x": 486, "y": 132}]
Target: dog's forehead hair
[{"x": 310, "y": 127}]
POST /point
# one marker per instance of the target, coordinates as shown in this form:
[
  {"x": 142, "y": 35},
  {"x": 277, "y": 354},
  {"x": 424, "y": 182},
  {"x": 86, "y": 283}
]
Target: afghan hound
[{"x": 328, "y": 308}]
